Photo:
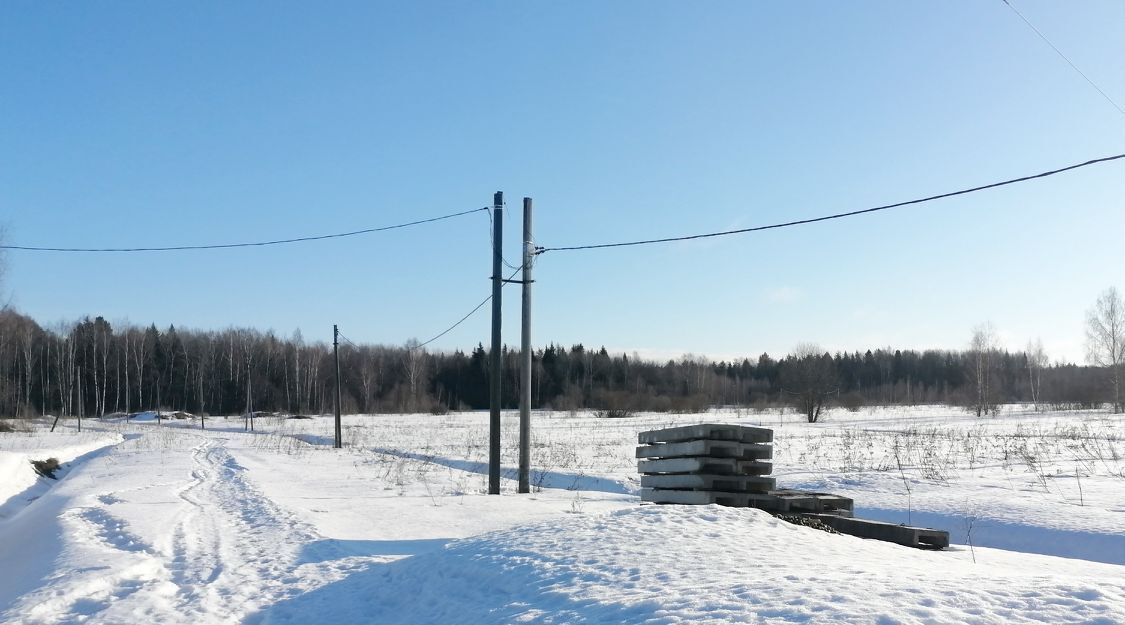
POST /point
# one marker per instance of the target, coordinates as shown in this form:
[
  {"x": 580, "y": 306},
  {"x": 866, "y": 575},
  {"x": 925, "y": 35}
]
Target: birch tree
[
  {"x": 1036, "y": 361},
  {"x": 414, "y": 365},
  {"x": 1105, "y": 339},
  {"x": 27, "y": 343},
  {"x": 982, "y": 353},
  {"x": 370, "y": 374},
  {"x": 141, "y": 348}
]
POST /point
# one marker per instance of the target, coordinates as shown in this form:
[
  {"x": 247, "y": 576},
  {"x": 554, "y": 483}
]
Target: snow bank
[
  {"x": 19, "y": 483},
  {"x": 696, "y": 564}
]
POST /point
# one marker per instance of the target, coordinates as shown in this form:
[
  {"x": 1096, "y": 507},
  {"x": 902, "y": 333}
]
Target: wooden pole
[
  {"x": 339, "y": 440},
  {"x": 494, "y": 357}
]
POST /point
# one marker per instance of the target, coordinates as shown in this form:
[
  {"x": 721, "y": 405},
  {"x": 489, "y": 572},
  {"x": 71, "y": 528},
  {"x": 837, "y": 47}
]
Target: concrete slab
[
  {"x": 714, "y": 466},
  {"x": 724, "y": 483},
  {"x": 787, "y": 502},
  {"x": 922, "y": 537},
  {"x": 804, "y": 501},
  {"x": 709, "y": 448},
  {"x": 711, "y": 431},
  {"x": 694, "y": 497}
]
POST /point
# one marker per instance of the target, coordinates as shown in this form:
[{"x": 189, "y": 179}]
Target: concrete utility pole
[
  {"x": 525, "y": 356},
  {"x": 494, "y": 357},
  {"x": 339, "y": 440}
]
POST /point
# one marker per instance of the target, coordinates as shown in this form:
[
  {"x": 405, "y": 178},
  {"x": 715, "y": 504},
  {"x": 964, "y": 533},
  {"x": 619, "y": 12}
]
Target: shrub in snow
[
  {"x": 22, "y": 426},
  {"x": 47, "y": 467}
]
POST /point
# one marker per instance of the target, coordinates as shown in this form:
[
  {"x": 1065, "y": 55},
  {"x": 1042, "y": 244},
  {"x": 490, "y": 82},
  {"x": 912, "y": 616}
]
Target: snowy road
[{"x": 210, "y": 549}]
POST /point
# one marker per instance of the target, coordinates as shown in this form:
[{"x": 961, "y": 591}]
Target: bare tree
[
  {"x": 370, "y": 374},
  {"x": 1036, "y": 361},
  {"x": 140, "y": 354},
  {"x": 66, "y": 367},
  {"x": 414, "y": 365},
  {"x": 982, "y": 356},
  {"x": 27, "y": 342},
  {"x": 127, "y": 338},
  {"x": 1105, "y": 339},
  {"x": 298, "y": 343},
  {"x": 809, "y": 378}
]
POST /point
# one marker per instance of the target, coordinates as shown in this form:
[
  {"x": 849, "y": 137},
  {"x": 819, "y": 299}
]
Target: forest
[{"x": 91, "y": 368}]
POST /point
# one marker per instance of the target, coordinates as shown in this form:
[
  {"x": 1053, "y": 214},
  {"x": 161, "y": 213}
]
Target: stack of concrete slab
[
  {"x": 706, "y": 463},
  {"x": 730, "y": 465}
]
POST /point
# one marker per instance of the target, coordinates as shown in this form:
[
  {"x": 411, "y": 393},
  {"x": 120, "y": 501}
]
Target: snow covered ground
[{"x": 167, "y": 523}]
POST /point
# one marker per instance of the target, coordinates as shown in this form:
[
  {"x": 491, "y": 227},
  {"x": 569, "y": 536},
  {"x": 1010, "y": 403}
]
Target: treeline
[{"x": 92, "y": 368}]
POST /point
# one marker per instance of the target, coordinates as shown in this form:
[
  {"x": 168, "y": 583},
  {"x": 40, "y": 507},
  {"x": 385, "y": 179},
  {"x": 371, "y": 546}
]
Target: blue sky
[{"x": 129, "y": 124}]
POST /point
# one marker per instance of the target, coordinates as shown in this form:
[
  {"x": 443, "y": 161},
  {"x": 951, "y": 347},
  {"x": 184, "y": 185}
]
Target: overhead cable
[
  {"x": 492, "y": 238},
  {"x": 347, "y": 340},
  {"x": 177, "y": 248},
  {"x": 1064, "y": 57},
  {"x": 467, "y": 315},
  {"x": 799, "y": 222}
]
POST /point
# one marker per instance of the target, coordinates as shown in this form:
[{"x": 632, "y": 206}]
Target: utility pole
[
  {"x": 525, "y": 356},
  {"x": 249, "y": 401},
  {"x": 336, "y": 352},
  {"x": 494, "y": 357}
]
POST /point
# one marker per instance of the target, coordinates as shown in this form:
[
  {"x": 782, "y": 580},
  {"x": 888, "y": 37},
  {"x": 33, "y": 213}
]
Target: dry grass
[{"x": 47, "y": 467}]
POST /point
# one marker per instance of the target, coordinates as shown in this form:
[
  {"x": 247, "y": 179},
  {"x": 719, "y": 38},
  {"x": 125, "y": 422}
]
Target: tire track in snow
[
  {"x": 227, "y": 552},
  {"x": 235, "y": 550},
  {"x": 196, "y": 539}
]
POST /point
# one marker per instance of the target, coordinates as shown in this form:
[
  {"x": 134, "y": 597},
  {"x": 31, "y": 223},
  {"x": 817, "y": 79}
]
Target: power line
[
  {"x": 454, "y": 326},
  {"x": 491, "y": 237},
  {"x": 467, "y": 315},
  {"x": 176, "y": 248},
  {"x": 346, "y": 339},
  {"x": 443, "y": 332},
  {"x": 451, "y": 328},
  {"x": 1064, "y": 57},
  {"x": 462, "y": 319},
  {"x": 542, "y": 250}
]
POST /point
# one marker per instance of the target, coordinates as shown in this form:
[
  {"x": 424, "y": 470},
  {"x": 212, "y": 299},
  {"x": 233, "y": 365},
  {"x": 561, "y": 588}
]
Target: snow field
[
  {"x": 676, "y": 564},
  {"x": 174, "y": 524}
]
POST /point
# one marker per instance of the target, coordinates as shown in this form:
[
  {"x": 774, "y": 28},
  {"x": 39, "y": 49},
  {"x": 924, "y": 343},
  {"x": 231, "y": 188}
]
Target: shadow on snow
[
  {"x": 334, "y": 549},
  {"x": 467, "y": 582},
  {"x": 541, "y": 479},
  {"x": 561, "y": 480},
  {"x": 1048, "y": 541}
]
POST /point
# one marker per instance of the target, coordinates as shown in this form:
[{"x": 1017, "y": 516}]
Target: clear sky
[{"x": 145, "y": 124}]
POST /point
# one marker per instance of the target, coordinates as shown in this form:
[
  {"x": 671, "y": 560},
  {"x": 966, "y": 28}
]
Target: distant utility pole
[
  {"x": 339, "y": 441},
  {"x": 494, "y": 357},
  {"x": 525, "y": 356},
  {"x": 249, "y": 423}
]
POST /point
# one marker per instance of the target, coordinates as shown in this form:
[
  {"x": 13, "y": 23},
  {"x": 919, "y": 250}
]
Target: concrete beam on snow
[
  {"x": 709, "y": 448},
  {"x": 716, "y": 466},
  {"x": 711, "y": 431},
  {"x": 774, "y": 501},
  {"x": 699, "y": 481},
  {"x": 888, "y": 532}
]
